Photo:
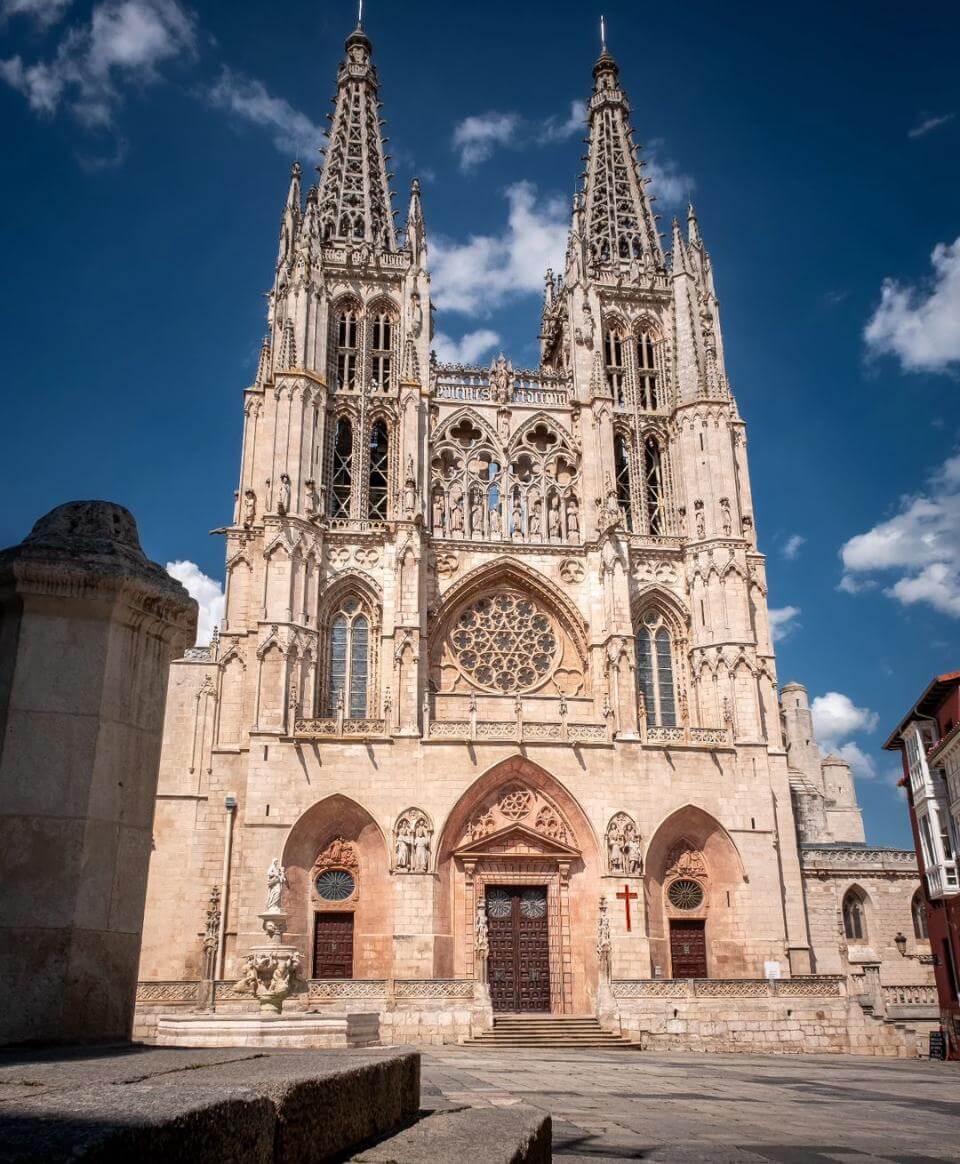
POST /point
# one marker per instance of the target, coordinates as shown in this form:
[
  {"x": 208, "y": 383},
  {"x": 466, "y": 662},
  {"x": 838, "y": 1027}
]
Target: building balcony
[{"x": 942, "y": 880}]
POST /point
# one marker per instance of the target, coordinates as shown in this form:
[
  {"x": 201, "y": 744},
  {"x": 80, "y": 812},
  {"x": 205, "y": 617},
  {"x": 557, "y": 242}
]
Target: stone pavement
[{"x": 631, "y": 1105}]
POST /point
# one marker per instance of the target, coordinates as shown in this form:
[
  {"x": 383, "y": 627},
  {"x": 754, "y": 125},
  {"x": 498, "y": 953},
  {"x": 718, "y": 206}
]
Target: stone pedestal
[{"x": 88, "y": 627}]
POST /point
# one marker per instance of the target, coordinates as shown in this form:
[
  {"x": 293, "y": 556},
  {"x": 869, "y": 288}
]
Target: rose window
[
  {"x": 335, "y": 885},
  {"x": 505, "y": 643},
  {"x": 685, "y": 893}
]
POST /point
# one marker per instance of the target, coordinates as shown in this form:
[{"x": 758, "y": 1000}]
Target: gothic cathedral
[{"x": 495, "y": 683}]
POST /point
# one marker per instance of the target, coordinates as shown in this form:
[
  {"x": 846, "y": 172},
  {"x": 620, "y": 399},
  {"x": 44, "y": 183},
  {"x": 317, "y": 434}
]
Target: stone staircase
[{"x": 549, "y": 1031}]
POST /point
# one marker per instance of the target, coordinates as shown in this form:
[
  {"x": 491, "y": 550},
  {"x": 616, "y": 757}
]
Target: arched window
[
  {"x": 653, "y": 483},
  {"x": 342, "y": 475},
  {"x": 655, "y": 670},
  {"x": 854, "y": 916},
  {"x": 348, "y": 676},
  {"x": 918, "y": 908},
  {"x": 621, "y": 458},
  {"x": 379, "y": 471},
  {"x": 348, "y": 328},
  {"x": 381, "y": 352},
  {"x": 647, "y": 371},
  {"x": 613, "y": 358}
]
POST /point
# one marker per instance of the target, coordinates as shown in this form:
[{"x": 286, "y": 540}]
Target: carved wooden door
[
  {"x": 688, "y": 949},
  {"x": 333, "y": 946},
  {"x": 518, "y": 967}
]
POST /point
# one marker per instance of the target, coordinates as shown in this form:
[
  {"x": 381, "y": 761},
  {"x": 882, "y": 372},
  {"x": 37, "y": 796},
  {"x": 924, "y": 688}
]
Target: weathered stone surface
[
  {"x": 504, "y": 1135},
  {"x": 87, "y": 629},
  {"x": 203, "y": 1105}
]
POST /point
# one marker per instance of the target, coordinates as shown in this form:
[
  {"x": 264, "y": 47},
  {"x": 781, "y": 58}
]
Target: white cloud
[
  {"x": 782, "y": 621},
  {"x": 664, "y": 178},
  {"x": 920, "y": 325},
  {"x": 836, "y": 718},
  {"x": 475, "y": 138},
  {"x": 487, "y": 270},
  {"x": 920, "y": 545},
  {"x": 124, "y": 43},
  {"x": 792, "y": 546},
  {"x": 43, "y": 12},
  {"x": 556, "y": 129},
  {"x": 929, "y": 124},
  {"x": 207, "y": 591},
  {"x": 247, "y": 99},
  {"x": 466, "y": 350}
]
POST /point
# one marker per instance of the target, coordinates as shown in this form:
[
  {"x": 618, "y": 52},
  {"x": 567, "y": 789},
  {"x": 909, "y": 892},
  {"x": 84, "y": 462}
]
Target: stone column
[{"x": 88, "y": 627}]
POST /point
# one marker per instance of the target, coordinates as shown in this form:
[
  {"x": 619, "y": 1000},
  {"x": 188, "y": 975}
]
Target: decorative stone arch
[
  {"x": 570, "y": 671},
  {"x": 487, "y": 433},
  {"x": 413, "y": 818},
  {"x": 855, "y": 903},
  {"x": 691, "y": 845},
  {"x": 338, "y": 833},
  {"x": 517, "y": 825},
  {"x": 563, "y": 437}
]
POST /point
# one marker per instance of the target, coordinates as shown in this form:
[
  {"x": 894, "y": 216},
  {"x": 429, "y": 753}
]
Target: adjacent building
[{"x": 928, "y": 739}]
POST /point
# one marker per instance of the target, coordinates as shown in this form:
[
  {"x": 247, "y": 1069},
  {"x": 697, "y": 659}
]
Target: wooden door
[
  {"x": 333, "y": 946},
  {"x": 688, "y": 949},
  {"x": 518, "y": 967}
]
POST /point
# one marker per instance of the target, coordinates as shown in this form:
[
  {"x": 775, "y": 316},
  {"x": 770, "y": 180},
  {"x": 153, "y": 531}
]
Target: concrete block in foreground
[
  {"x": 495, "y": 1135},
  {"x": 207, "y": 1107}
]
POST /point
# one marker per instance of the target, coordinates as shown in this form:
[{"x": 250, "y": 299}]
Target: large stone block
[{"x": 505, "y": 1135}]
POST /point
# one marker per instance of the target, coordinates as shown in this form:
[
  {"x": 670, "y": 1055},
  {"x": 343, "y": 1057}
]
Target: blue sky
[{"x": 147, "y": 151}]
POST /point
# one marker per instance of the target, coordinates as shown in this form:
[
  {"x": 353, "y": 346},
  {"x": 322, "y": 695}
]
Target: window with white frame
[
  {"x": 655, "y": 670},
  {"x": 348, "y": 669}
]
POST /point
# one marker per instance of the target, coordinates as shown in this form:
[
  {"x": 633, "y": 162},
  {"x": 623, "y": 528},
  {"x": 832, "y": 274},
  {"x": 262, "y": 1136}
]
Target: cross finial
[{"x": 603, "y": 34}]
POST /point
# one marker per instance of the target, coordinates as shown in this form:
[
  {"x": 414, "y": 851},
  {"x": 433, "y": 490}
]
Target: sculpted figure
[
  {"x": 631, "y": 853},
  {"x": 699, "y": 520},
  {"x": 438, "y": 521},
  {"x": 573, "y": 520},
  {"x": 482, "y": 933},
  {"x": 456, "y": 516},
  {"x": 283, "y": 502},
  {"x": 553, "y": 517},
  {"x": 313, "y": 498},
  {"x": 495, "y": 521},
  {"x": 535, "y": 523},
  {"x": 476, "y": 517},
  {"x": 249, "y": 507},
  {"x": 615, "y": 849},
  {"x": 726, "y": 522},
  {"x": 516, "y": 520},
  {"x": 403, "y": 845},
  {"x": 276, "y": 879},
  {"x": 421, "y": 848}
]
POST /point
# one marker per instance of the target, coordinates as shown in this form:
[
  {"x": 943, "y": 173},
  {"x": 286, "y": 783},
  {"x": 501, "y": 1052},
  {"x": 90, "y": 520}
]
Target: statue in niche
[
  {"x": 313, "y": 498},
  {"x": 249, "y": 507},
  {"x": 283, "y": 501},
  {"x": 632, "y": 862},
  {"x": 573, "y": 520},
  {"x": 726, "y": 522},
  {"x": 700, "y": 521},
  {"x": 536, "y": 531},
  {"x": 553, "y": 518},
  {"x": 481, "y": 929},
  {"x": 456, "y": 511},
  {"x": 403, "y": 846},
  {"x": 748, "y": 529},
  {"x": 410, "y": 490},
  {"x": 416, "y": 315},
  {"x": 516, "y": 520},
  {"x": 495, "y": 521},
  {"x": 503, "y": 424},
  {"x": 439, "y": 524},
  {"x": 421, "y": 847},
  {"x": 476, "y": 516},
  {"x": 615, "y": 847},
  {"x": 276, "y": 879},
  {"x": 611, "y": 514}
]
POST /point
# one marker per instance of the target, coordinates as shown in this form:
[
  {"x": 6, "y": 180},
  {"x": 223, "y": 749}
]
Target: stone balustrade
[
  {"x": 808, "y": 985},
  {"x": 919, "y": 994}
]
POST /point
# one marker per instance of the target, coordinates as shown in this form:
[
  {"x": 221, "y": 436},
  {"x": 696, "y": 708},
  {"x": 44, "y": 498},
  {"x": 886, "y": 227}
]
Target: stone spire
[
  {"x": 620, "y": 224},
  {"x": 416, "y": 239},
  {"x": 290, "y": 223},
  {"x": 354, "y": 198}
]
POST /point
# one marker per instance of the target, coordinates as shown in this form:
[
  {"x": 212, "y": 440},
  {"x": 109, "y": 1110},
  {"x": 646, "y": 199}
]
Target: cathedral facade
[{"x": 495, "y": 682}]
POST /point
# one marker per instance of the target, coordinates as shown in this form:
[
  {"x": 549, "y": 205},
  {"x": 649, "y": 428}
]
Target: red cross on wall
[{"x": 626, "y": 895}]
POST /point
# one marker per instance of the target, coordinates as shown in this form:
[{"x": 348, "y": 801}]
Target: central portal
[{"x": 519, "y": 960}]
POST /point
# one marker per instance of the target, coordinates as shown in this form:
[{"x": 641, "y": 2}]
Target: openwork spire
[
  {"x": 620, "y": 224},
  {"x": 354, "y": 203}
]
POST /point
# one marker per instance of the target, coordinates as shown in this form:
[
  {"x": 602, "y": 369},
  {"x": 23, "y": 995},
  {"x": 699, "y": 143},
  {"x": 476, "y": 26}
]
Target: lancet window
[
  {"x": 527, "y": 494},
  {"x": 347, "y": 348},
  {"x": 653, "y": 486},
  {"x": 379, "y": 472},
  {"x": 341, "y": 477},
  {"x": 381, "y": 352},
  {"x": 348, "y": 672},
  {"x": 614, "y": 358},
  {"x": 655, "y": 678},
  {"x": 854, "y": 916},
  {"x": 647, "y": 388},
  {"x": 621, "y": 454}
]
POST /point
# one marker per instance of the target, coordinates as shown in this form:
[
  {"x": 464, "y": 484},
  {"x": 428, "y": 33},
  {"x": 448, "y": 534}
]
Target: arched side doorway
[
  {"x": 337, "y": 870},
  {"x": 693, "y": 883},
  {"x": 518, "y": 842}
]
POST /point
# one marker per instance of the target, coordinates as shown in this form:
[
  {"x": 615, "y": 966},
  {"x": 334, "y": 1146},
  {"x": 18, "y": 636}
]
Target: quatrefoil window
[{"x": 505, "y": 643}]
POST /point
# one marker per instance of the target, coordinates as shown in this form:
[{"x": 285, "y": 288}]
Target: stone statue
[
  {"x": 481, "y": 929},
  {"x": 283, "y": 502},
  {"x": 612, "y": 514},
  {"x": 553, "y": 517},
  {"x": 632, "y": 862},
  {"x": 313, "y": 498},
  {"x": 699, "y": 520},
  {"x": 456, "y": 517},
  {"x": 249, "y": 507},
  {"x": 604, "y": 942},
  {"x": 748, "y": 529},
  {"x": 495, "y": 522},
  {"x": 476, "y": 517},
  {"x": 421, "y": 847},
  {"x": 535, "y": 524},
  {"x": 416, "y": 315},
  {"x": 516, "y": 520},
  {"x": 404, "y": 845},
  {"x": 410, "y": 490},
  {"x": 500, "y": 378},
  {"x": 438, "y": 521},
  {"x": 726, "y": 522},
  {"x": 615, "y": 848},
  {"x": 573, "y": 520},
  {"x": 276, "y": 879}
]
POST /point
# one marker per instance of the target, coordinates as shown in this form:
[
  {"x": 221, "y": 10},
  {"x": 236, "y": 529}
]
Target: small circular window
[
  {"x": 686, "y": 894},
  {"x": 335, "y": 885}
]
